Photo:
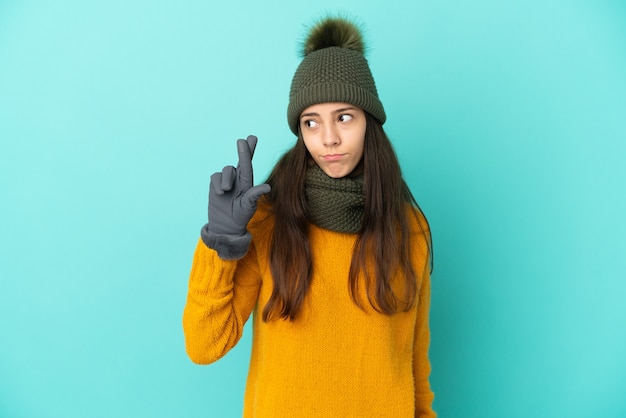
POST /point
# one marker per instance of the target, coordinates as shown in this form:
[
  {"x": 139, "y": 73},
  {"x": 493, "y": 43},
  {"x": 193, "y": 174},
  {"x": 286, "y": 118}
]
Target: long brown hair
[{"x": 384, "y": 237}]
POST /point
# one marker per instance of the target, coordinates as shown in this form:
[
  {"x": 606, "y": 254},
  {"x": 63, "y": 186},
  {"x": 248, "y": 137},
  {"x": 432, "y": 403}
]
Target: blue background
[{"x": 510, "y": 122}]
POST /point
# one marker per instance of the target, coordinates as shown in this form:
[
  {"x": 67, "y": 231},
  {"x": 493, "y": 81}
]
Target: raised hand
[{"x": 232, "y": 194}]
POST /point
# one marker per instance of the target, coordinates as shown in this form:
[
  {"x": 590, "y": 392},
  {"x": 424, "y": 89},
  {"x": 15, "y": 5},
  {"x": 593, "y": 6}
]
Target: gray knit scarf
[{"x": 335, "y": 204}]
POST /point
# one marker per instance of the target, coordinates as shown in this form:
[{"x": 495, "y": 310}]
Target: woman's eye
[
  {"x": 345, "y": 118},
  {"x": 310, "y": 123}
]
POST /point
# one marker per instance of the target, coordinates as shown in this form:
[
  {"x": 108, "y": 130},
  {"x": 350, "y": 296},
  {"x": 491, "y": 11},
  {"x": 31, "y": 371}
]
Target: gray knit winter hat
[{"x": 334, "y": 69}]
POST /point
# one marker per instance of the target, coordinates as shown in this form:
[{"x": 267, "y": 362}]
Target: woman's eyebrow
[
  {"x": 343, "y": 109},
  {"x": 340, "y": 110}
]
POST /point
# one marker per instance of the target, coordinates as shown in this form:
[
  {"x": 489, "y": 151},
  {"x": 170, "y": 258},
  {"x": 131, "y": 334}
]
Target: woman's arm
[
  {"x": 421, "y": 363},
  {"x": 220, "y": 298}
]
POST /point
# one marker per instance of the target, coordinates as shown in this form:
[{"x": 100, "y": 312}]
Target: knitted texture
[
  {"x": 335, "y": 359},
  {"x": 333, "y": 74},
  {"x": 335, "y": 204}
]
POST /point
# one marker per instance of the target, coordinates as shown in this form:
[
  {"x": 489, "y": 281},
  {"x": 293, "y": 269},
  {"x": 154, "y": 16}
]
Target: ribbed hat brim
[{"x": 333, "y": 92}]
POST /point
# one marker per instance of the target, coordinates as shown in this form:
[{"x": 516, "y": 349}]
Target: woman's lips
[{"x": 332, "y": 157}]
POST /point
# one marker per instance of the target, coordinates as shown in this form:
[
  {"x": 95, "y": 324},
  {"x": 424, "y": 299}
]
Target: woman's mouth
[{"x": 332, "y": 157}]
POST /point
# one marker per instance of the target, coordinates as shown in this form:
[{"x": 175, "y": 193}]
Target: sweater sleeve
[
  {"x": 220, "y": 298},
  {"x": 421, "y": 364}
]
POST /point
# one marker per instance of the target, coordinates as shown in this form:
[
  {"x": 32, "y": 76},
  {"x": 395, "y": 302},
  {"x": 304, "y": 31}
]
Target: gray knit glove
[{"x": 232, "y": 202}]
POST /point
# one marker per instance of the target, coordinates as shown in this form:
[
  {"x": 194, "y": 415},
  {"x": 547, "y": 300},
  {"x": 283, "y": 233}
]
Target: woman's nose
[{"x": 330, "y": 136}]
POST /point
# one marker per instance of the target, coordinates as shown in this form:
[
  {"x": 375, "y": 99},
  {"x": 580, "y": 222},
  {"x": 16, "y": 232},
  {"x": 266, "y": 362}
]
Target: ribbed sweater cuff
[{"x": 228, "y": 247}]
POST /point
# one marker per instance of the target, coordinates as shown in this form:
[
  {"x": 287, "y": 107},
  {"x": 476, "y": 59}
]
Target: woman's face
[{"x": 334, "y": 134}]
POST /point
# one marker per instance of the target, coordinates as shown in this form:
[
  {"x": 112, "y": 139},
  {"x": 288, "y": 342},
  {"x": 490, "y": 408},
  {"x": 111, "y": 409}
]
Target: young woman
[{"x": 331, "y": 256}]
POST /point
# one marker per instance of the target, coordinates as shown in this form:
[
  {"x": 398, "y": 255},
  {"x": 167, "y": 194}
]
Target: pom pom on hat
[
  {"x": 333, "y": 32},
  {"x": 334, "y": 69}
]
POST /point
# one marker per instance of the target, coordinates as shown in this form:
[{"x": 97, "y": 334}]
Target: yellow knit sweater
[{"x": 336, "y": 360}]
